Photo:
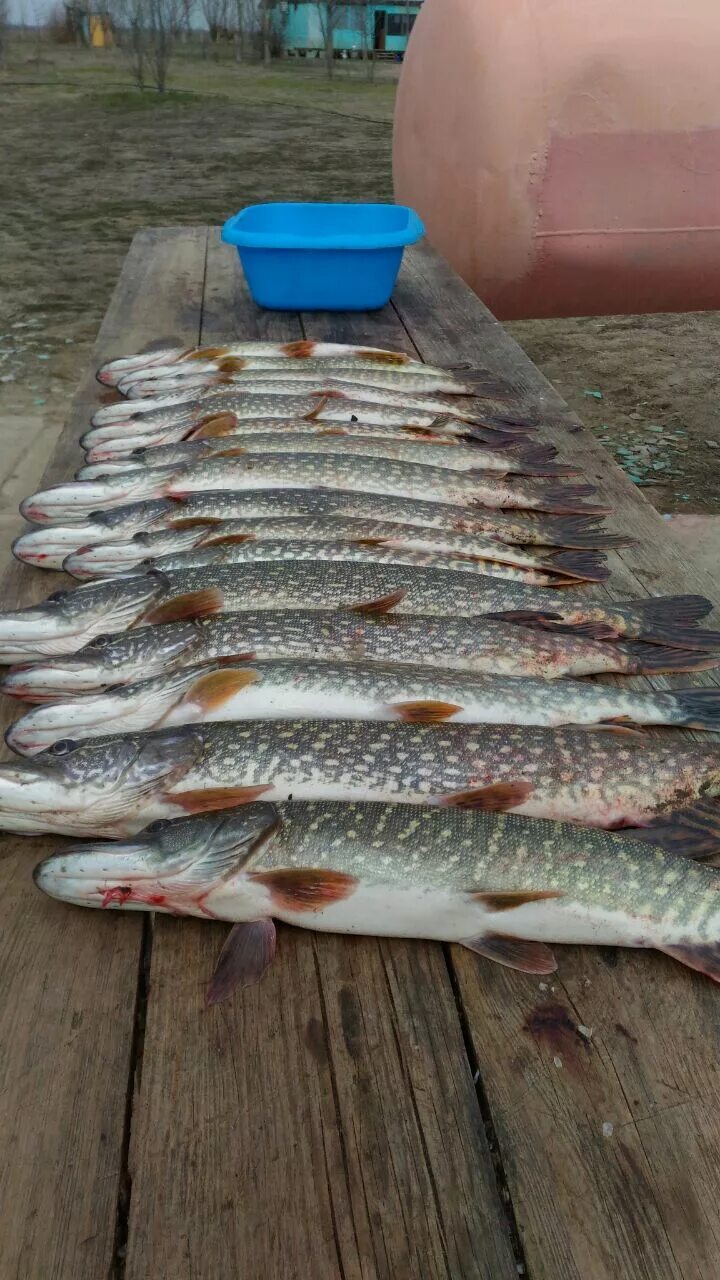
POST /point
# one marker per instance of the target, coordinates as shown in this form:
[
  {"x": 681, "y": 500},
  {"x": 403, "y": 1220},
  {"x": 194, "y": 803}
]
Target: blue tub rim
[{"x": 234, "y": 233}]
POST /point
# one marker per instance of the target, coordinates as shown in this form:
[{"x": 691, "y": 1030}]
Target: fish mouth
[
  {"x": 116, "y": 414},
  {"x": 45, "y": 682},
  {"x": 111, "y": 373},
  {"x": 70, "y": 619},
  {"x": 172, "y": 866},
  {"x": 97, "y": 788},
  {"x": 140, "y": 654},
  {"x": 47, "y": 548}
]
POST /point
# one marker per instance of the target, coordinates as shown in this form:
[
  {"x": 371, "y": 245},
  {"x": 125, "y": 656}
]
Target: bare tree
[
  {"x": 216, "y": 15},
  {"x": 146, "y": 31},
  {"x": 164, "y": 19},
  {"x": 329, "y": 15},
  {"x": 130, "y": 25},
  {"x": 4, "y": 27},
  {"x": 364, "y": 17}
]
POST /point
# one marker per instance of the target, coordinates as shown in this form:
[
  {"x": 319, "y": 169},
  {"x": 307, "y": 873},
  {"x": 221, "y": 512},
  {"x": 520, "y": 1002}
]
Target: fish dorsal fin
[
  {"x": 383, "y": 604},
  {"x": 249, "y": 949},
  {"x": 513, "y": 953}
]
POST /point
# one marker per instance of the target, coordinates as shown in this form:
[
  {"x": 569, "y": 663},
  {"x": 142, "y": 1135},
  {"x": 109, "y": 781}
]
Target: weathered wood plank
[
  {"x": 322, "y": 1124},
  {"x": 70, "y": 977},
  {"x": 639, "y": 1200}
]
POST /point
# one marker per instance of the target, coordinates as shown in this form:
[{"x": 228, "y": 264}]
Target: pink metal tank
[{"x": 565, "y": 154}]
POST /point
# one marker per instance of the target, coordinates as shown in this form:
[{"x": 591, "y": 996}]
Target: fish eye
[
  {"x": 159, "y": 825},
  {"x": 56, "y": 595},
  {"x": 98, "y": 642},
  {"x": 63, "y": 747}
]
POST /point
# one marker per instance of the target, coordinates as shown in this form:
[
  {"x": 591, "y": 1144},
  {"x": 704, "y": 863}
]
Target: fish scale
[{"x": 117, "y": 785}]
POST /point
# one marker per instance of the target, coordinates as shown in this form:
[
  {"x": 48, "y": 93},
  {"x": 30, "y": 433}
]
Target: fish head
[
  {"x": 105, "y": 661},
  {"x": 190, "y": 866},
  {"x": 67, "y": 620},
  {"x": 100, "y": 787},
  {"x": 106, "y": 559},
  {"x": 47, "y": 547},
  {"x": 76, "y": 499},
  {"x": 111, "y": 373}
]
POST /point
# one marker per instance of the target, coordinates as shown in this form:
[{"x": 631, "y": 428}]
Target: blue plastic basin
[{"x": 322, "y": 257}]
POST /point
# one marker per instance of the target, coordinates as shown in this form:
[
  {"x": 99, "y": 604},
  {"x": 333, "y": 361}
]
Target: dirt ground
[{"x": 87, "y": 161}]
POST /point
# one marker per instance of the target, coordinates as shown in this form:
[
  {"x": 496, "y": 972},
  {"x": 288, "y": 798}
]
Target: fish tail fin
[
  {"x": 538, "y": 460},
  {"x": 670, "y": 620},
  {"x": 567, "y": 499},
  {"x": 585, "y": 531},
  {"x": 703, "y": 956},
  {"x": 698, "y": 708},
  {"x": 590, "y": 566},
  {"x": 690, "y": 833},
  {"x": 654, "y": 659}
]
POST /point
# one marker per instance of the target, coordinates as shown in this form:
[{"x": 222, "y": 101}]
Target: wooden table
[{"x": 373, "y": 1108}]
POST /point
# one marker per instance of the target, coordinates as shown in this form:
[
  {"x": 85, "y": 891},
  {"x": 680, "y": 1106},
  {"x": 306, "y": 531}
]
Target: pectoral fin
[
  {"x": 248, "y": 950},
  {"x": 498, "y": 797}
]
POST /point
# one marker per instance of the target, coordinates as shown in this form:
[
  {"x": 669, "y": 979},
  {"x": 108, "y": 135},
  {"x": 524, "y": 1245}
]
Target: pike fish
[
  {"x": 78, "y": 498},
  {"x": 305, "y": 349},
  {"x": 114, "y": 441},
  {"x": 476, "y": 646},
  {"x": 407, "y": 378},
  {"x": 329, "y": 389},
  {"x": 67, "y": 620},
  {"x": 49, "y": 545},
  {"x": 311, "y": 690},
  {"x": 507, "y": 459},
  {"x": 502, "y": 886},
  {"x": 564, "y": 569},
  {"x": 104, "y": 559},
  {"x": 201, "y": 411},
  {"x": 117, "y": 785}
]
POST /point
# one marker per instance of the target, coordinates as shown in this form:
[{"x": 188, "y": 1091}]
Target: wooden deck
[{"x": 374, "y": 1110}]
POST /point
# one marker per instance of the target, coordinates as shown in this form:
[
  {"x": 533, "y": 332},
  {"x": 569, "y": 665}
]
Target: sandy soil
[{"x": 87, "y": 161}]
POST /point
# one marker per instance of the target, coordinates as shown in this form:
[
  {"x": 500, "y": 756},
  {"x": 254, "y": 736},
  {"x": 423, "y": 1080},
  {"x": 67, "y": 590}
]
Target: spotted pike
[
  {"x": 104, "y": 559},
  {"x": 566, "y": 568},
  {"x": 407, "y": 378},
  {"x": 368, "y": 403},
  {"x": 108, "y": 443},
  {"x": 77, "y": 499},
  {"x": 310, "y": 690},
  {"x": 49, "y": 545},
  {"x": 305, "y": 349},
  {"x": 502, "y": 886},
  {"x": 505, "y": 459},
  {"x": 68, "y": 619},
  {"x": 116, "y": 785},
  {"x": 470, "y": 646},
  {"x": 222, "y": 409}
]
